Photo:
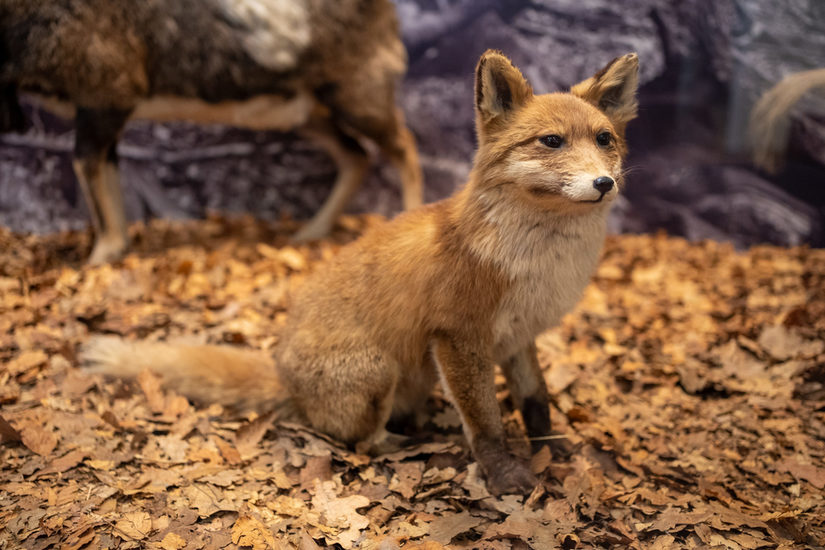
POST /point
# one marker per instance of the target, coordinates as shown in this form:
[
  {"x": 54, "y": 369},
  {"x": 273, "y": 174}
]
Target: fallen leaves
[
  {"x": 445, "y": 528},
  {"x": 689, "y": 380},
  {"x": 249, "y": 531},
  {"x": 38, "y": 438},
  {"x": 134, "y": 526},
  {"x": 339, "y": 515},
  {"x": 803, "y": 472},
  {"x": 172, "y": 542}
]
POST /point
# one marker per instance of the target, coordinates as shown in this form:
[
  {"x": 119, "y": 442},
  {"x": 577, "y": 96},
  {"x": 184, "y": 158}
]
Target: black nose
[{"x": 603, "y": 183}]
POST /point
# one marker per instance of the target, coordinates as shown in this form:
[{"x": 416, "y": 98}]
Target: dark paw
[
  {"x": 561, "y": 448},
  {"x": 510, "y": 477}
]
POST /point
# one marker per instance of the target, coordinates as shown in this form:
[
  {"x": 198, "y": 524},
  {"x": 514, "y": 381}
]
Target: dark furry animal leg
[{"x": 95, "y": 164}]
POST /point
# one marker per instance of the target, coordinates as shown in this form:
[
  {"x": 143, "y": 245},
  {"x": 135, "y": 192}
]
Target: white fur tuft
[{"x": 277, "y": 30}]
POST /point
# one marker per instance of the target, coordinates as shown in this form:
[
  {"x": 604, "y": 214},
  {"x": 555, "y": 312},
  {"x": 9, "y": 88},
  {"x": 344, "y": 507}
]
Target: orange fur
[
  {"x": 208, "y": 374},
  {"x": 451, "y": 289}
]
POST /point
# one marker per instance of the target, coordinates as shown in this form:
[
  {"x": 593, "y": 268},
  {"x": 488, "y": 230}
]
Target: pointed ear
[
  {"x": 613, "y": 90},
  {"x": 500, "y": 88}
]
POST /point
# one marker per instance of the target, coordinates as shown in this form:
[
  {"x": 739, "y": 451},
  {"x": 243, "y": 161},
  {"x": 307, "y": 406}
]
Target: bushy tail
[
  {"x": 770, "y": 119},
  {"x": 237, "y": 378}
]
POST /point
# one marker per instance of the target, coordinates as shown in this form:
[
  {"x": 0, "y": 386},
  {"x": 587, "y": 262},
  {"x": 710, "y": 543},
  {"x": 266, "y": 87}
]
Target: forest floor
[{"x": 690, "y": 378}]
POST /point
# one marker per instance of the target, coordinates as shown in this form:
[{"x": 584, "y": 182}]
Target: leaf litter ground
[{"x": 690, "y": 378}]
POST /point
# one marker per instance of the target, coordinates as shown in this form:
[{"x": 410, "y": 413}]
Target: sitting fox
[
  {"x": 444, "y": 292},
  {"x": 327, "y": 68}
]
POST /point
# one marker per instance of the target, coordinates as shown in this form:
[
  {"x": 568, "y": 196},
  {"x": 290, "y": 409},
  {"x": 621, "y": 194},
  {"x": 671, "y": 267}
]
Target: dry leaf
[
  {"x": 38, "y": 439},
  {"x": 248, "y": 531},
  {"x": 172, "y": 542},
  {"x": 206, "y": 499},
  {"x": 229, "y": 453},
  {"x": 807, "y": 472},
  {"x": 249, "y": 435},
  {"x": 7, "y": 432},
  {"x": 406, "y": 479},
  {"x": 782, "y": 344},
  {"x": 26, "y": 361},
  {"x": 151, "y": 385},
  {"x": 341, "y": 513},
  {"x": 134, "y": 525},
  {"x": 444, "y": 529},
  {"x": 67, "y": 461}
]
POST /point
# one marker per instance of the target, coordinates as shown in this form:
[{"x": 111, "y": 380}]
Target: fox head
[{"x": 559, "y": 152}]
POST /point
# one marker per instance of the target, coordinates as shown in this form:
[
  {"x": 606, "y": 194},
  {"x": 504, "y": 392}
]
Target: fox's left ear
[
  {"x": 613, "y": 90},
  {"x": 500, "y": 90}
]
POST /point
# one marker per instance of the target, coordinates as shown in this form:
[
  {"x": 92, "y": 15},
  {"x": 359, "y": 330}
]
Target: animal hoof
[
  {"x": 309, "y": 232},
  {"x": 106, "y": 251}
]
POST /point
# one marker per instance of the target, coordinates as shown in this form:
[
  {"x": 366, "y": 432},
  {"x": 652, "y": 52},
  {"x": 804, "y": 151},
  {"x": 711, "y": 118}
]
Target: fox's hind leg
[
  {"x": 345, "y": 393},
  {"x": 95, "y": 164},
  {"x": 352, "y": 162}
]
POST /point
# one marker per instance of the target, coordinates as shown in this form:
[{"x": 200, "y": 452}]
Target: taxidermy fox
[
  {"x": 445, "y": 291},
  {"x": 327, "y": 68}
]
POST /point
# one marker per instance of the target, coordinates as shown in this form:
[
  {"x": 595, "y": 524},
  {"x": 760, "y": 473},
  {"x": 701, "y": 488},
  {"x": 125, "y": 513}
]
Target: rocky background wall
[{"x": 704, "y": 64}]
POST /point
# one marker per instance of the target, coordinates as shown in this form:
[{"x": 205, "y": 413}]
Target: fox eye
[
  {"x": 604, "y": 139},
  {"x": 553, "y": 141}
]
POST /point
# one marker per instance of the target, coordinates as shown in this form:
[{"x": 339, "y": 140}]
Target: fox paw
[{"x": 510, "y": 477}]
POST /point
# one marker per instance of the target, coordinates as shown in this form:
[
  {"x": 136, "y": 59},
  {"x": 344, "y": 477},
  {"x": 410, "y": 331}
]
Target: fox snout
[
  {"x": 590, "y": 188},
  {"x": 603, "y": 184}
]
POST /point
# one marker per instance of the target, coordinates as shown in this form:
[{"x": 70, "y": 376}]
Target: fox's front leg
[
  {"x": 467, "y": 376},
  {"x": 528, "y": 390}
]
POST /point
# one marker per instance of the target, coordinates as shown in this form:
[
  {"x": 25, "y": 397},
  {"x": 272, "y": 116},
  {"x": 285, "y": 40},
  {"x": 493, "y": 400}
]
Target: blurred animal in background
[
  {"x": 770, "y": 120},
  {"x": 327, "y": 68}
]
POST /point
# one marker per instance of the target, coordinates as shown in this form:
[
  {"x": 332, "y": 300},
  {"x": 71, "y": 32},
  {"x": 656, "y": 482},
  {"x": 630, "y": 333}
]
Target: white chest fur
[{"x": 548, "y": 266}]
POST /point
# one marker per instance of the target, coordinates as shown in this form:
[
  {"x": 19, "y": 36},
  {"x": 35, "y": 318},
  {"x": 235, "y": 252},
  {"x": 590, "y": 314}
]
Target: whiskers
[{"x": 621, "y": 180}]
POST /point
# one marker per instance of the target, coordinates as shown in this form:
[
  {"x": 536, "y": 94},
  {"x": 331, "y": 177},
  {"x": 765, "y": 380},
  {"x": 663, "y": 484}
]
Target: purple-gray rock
[{"x": 704, "y": 64}]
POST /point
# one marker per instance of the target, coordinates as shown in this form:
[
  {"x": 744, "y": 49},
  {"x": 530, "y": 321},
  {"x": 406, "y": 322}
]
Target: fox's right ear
[
  {"x": 613, "y": 90},
  {"x": 500, "y": 88}
]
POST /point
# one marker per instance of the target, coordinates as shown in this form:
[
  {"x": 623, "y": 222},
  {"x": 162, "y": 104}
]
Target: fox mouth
[
  {"x": 594, "y": 201},
  {"x": 546, "y": 192}
]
